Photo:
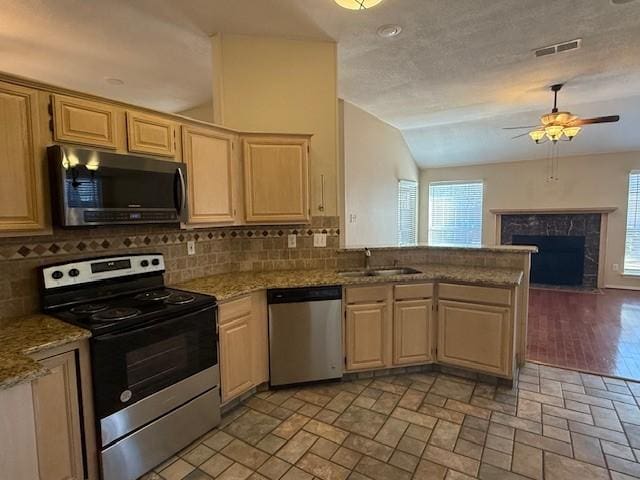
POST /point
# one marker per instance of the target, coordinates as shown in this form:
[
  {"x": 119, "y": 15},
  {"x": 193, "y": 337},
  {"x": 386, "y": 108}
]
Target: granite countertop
[
  {"x": 24, "y": 336},
  {"x": 229, "y": 285},
  {"x": 426, "y": 246}
]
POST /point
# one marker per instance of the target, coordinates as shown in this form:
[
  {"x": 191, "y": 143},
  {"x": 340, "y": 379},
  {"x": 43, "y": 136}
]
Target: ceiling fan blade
[
  {"x": 521, "y": 135},
  {"x": 590, "y": 121},
  {"x": 518, "y": 128}
]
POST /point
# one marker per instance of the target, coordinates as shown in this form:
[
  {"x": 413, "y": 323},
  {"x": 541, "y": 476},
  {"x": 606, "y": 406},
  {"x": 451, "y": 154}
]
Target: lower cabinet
[
  {"x": 43, "y": 420},
  {"x": 242, "y": 337},
  {"x": 475, "y": 336},
  {"x": 366, "y": 336},
  {"x": 412, "y": 338}
]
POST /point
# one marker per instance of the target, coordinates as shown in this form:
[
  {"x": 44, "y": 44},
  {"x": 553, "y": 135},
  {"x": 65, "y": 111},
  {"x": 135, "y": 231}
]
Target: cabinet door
[
  {"x": 276, "y": 180},
  {"x": 21, "y": 159},
  {"x": 412, "y": 331},
  {"x": 211, "y": 166},
  {"x": 236, "y": 340},
  {"x": 475, "y": 336},
  {"x": 57, "y": 418},
  {"x": 82, "y": 121},
  {"x": 150, "y": 134},
  {"x": 366, "y": 336}
]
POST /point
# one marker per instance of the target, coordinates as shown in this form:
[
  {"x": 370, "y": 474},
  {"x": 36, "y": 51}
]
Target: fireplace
[
  {"x": 559, "y": 261},
  {"x": 569, "y": 245}
]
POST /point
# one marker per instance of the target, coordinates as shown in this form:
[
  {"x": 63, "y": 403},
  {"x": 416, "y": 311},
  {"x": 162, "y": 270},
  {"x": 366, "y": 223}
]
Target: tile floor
[
  {"x": 557, "y": 425},
  {"x": 594, "y": 332}
]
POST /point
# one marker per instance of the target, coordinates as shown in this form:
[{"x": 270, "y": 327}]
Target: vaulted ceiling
[{"x": 458, "y": 72}]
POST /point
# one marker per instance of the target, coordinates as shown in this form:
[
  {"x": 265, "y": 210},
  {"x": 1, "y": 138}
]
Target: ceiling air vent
[{"x": 558, "y": 48}]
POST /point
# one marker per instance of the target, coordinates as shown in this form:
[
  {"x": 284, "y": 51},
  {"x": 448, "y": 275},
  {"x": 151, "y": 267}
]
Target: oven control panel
[{"x": 87, "y": 271}]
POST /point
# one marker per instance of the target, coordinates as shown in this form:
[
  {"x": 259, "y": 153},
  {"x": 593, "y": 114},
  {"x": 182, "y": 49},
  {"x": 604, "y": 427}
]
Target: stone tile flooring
[{"x": 558, "y": 425}]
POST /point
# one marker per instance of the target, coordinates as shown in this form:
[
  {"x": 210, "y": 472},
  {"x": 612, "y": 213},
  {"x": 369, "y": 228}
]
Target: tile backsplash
[{"x": 218, "y": 250}]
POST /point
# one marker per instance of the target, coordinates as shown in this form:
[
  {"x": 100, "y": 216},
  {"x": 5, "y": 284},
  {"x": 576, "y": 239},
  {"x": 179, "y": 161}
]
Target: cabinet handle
[{"x": 321, "y": 206}]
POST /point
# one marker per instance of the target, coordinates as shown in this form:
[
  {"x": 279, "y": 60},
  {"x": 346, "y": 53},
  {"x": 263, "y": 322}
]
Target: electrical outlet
[
  {"x": 616, "y": 267},
  {"x": 191, "y": 247},
  {"x": 291, "y": 240},
  {"x": 319, "y": 239},
  {"x": 353, "y": 218}
]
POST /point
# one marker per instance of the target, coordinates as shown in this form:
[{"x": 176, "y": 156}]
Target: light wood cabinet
[
  {"x": 57, "y": 420},
  {"x": 86, "y": 122},
  {"x": 276, "y": 172},
  {"x": 150, "y": 134},
  {"x": 412, "y": 326},
  {"x": 213, "y": 174},
  {"x": 21, "y": 161},
  {"x": 475, "y": 336},
  {"x": 242, "y": 338},
  {"x": 366, "y": 336}
]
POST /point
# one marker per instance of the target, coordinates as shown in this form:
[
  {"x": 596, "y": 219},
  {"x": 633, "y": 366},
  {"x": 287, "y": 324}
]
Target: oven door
[{"x": 131, "y": 365}]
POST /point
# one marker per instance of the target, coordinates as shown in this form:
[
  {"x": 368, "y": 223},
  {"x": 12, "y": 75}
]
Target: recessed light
[
  {"x": 389, "y": 31},
  {"x": 114, "y": 81},
  {"x": 357, "y": 4},
  {"x": 621, "y": 2}
]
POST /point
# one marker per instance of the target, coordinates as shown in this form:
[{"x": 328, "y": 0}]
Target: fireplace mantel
[{"x": 542, "y": 211}]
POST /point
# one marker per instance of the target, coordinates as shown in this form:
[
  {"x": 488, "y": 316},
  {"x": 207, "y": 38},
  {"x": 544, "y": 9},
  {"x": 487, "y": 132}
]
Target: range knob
[
  {"x": 155, "y": 262},
  {"x": 74, "y": 272},
  {"x": 57, "y": 275},
  {"x": 144, "y": 263}
]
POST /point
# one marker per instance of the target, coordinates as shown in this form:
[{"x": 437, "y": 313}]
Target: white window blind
[
  {"x": 632, "y": 243},
  {"x": 455, "y": 213},
  {"x": 407, "y": 212}
]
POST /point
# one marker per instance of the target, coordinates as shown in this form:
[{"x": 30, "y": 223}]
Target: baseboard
[{"x": 621, "y": 287}]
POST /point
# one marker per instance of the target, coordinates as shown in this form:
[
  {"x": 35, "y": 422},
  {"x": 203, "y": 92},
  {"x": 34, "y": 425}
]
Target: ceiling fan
[{"x": 556, "y": 126}]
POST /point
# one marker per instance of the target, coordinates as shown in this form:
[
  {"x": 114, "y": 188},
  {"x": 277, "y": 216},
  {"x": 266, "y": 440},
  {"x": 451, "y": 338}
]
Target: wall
[
  {"x": 280, "y": 85},
  {"x": 375, "y": 158},
  {"x": 584, "y": 181},
  {"x": 218, "y": 250},
  {"x": 202, "y": 112}
]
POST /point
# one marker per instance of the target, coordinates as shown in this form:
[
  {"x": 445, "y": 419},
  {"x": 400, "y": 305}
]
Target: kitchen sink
[{"x": 380, "y": 272}]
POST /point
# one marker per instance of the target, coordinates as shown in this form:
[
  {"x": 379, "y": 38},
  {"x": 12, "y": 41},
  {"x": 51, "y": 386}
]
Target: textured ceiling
[{"x": 458, "y": 72}]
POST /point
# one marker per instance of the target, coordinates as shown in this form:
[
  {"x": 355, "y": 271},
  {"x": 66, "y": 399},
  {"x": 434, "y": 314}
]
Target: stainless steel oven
[{"x": 92, "y": 187}]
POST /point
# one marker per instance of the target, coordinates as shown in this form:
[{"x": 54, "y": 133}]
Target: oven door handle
[
  {"x": 181, "y": 197},
  {"x": 152, "y": 325}
]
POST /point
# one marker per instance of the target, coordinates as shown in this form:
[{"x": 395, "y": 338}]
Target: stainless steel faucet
[{"x": 367, "y": 259}]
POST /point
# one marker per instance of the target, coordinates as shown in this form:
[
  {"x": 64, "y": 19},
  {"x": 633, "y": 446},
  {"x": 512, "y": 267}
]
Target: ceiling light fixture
[
  {"x": 114, "y": 81},
  {"x": 389, "y": 31},
  {"x": 357, "y": 4}
]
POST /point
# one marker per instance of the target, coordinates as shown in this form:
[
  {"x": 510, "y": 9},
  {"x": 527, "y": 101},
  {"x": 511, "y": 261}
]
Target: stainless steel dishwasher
[{"x": 305, "y": 334}]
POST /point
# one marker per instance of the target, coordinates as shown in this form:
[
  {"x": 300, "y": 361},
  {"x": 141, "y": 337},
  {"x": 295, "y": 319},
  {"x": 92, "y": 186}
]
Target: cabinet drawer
[
  {"x": 413, "y": 291},
  {"x": 82, "y": 121},
  {"x": 233, "y": 309},
  {"x": 367, "y": 294},
  {"x": 469, "y": 293},
  {"x": 150, "y": 134}
]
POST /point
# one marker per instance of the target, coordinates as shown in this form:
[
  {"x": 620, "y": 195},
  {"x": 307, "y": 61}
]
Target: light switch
[
  {"x": 191, "y": 247},
  {"x": 291, "y": 240},
  {"x": 319, "y": 239}
]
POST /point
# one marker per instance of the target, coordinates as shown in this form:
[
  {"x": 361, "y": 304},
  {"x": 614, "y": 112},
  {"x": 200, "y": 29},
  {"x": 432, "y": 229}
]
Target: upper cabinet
[
  {"x": 21, "y": 161},
  {"x": 150, "y": 134},
  {"x": 276, "y": 173},
  {"x": 82, "y": 121},
  {"x": 213, "y": 175}
]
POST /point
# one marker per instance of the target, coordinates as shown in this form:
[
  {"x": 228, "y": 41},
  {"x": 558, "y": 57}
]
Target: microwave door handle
[{"x": 183, "y": 191}]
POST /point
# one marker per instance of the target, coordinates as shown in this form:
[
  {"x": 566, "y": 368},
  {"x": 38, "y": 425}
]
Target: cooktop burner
[
  {"x": 88, "y": 308},
  {"x": 119, "y": 313},
  {"x": 180, "y": 299},
  {"x": 153, "y": 295}
]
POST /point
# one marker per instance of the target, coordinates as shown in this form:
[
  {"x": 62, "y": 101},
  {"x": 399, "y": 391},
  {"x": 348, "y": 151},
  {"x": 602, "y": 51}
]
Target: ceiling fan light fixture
[
  {"x": 571, "y": 132},
  {"x": 537, "y": 135},
  {"x": 554, "y": 132},
  {"x": 357, "y": 4}
]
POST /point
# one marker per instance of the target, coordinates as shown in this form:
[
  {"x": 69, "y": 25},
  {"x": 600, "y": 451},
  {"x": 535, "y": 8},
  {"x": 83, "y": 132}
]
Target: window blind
[
  {"x": 632, "y": 242},
  {"x": 455, "y": 213},
  {"x": 407, "y": 212}
]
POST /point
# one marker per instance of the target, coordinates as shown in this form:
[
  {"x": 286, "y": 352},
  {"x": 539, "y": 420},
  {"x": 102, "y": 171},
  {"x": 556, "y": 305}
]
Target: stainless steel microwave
[{"x": 92, "y": 187}]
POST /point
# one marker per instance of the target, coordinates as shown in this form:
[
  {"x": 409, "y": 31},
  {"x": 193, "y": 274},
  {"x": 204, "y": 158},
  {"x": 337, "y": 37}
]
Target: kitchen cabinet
[
  {"x": 213, "y": 174},
  {"x": 413, "y": 324},
  {"x": 475, "y": 328},
  {"x": 150, "y": 134},
  {"x": 276, "y": 175},
  {"x": 21, "y": 161},
  {"x": 43, "y": 421},
  {"x": 242, "y": 338},
  {"x": 368, "y": 328},
  {"x": 76, "y": 120}
]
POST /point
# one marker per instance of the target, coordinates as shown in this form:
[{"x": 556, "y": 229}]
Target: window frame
[
  {"x": 416, "y": 188},
  {"x": 430, "y": 212},
  {"x": 635, "y": 208}
]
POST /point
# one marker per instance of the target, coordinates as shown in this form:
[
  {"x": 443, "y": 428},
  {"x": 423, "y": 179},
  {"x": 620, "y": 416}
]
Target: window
[
  {"x": 407, "y": 212},
  {"x": 632, "y": 243},
  {"x": 455, "y": 213}
]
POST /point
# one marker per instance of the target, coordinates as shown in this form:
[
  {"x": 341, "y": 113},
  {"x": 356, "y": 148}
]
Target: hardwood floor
[{"x": 594, "y": 332}]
